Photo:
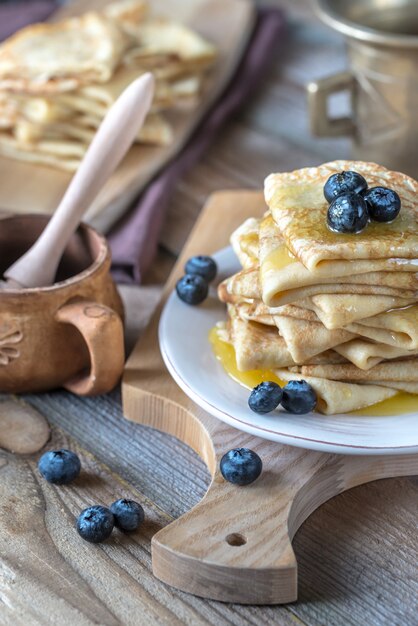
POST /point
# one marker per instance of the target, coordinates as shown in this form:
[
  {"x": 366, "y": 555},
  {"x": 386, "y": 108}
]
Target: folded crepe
[
  {"x": 155, "y": 130},
  {"x": 256, "y": 346},
  {"x": 57, "y": 81},
  {"x": 257, "y": 311},
  {"x": 62, "y": 56},
  {"x": 281, "y": 271},
  {"x": 366, "y": 354},
  {"x": 403, "y": 370},
  {"x": 127, "y": 12},
  {"x": 299, "y": 209},
  {"x": 280, "y": 259},
  {"x": 338, "y": 310},
  {"x": 305, "y": 339},
  {"x": 398, "y": 327},
  {"x": 411, "y": 388},
  {"x": 259, "y": 347},
  {"x": 245, "y": 242},
  {"x": 246, "y": 284},
  {"x": 160, "y": 36},
  {"x": 341, "y": 397}
]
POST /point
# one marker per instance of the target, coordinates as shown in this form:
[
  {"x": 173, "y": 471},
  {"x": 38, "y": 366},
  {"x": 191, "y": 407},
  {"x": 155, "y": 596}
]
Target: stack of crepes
[
  {"x": 337, "y": 310},
  {"x": 58, "y": 80}
]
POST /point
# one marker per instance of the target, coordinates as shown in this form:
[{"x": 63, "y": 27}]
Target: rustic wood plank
[
  {"x": 65, "y": 578},
  {"x": 343, "y": 549}
]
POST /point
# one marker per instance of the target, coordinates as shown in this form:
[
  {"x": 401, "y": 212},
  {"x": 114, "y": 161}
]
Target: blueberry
[
  {"x": 95, "y": 524},
  {"x": 59, "y": 466},
  {"x": 265, "y": 397},
  {"x": 128, "y": 514},
  {"x": 192, "y": 289},
  {"x": 383, "y": 204},
  {"x": 204, "y": 266},
  {"x": 241, "y": 466},
  {"x": 348, "y": 214},
  {"x": 298, "y": 397},
  {"x": 344, "y": 182}
]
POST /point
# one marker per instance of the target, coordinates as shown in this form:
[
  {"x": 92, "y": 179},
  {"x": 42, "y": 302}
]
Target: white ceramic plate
[{"x": 189, "y": 358}]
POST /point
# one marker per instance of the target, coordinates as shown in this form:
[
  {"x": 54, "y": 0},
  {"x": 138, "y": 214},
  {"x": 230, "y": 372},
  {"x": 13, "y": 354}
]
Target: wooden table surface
[{"x": 357, "y": 554}]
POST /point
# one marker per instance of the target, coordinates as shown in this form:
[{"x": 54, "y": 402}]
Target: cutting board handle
[{"x": 235, "y": 545}]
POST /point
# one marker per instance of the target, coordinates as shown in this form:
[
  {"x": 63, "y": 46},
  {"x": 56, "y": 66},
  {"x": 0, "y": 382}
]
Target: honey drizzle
[
  {"x": 400, "y": 404},
  {"x": 278, "y": 258},
  {"x": 225, "y": 354}
]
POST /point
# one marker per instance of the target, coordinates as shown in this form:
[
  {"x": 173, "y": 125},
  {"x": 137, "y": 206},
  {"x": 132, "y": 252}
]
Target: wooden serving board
[
  {"x": 235, "y": 545},
  {"x": 27, "y": 188}
]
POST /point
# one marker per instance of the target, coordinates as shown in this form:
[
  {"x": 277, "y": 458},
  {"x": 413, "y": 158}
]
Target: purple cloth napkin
[
  {"x": 19, "y": 14},
  {"x": 134, "y": 239}
]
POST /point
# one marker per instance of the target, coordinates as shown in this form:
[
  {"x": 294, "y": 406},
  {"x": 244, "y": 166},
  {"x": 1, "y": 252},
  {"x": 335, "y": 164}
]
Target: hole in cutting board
[{"x": 235, "y": 539}]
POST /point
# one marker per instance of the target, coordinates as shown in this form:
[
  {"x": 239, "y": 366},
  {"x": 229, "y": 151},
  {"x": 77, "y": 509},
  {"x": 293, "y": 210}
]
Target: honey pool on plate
[{"x": 402, "y": 403}]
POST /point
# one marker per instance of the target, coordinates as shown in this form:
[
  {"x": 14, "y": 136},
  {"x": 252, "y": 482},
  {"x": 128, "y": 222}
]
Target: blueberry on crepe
[
  {"x": 383, "y": 204},
  {"x": 344, "y": 182},
  {"x": 348, "y": 213}
]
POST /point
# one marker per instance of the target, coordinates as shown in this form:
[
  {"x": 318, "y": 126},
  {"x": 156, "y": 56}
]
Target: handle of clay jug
[
  {"x": 322, "y": 125},
  {"x": 102, "y": 330}
]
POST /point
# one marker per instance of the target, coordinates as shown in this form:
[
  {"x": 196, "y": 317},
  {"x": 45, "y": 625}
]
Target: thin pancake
[
  {"x": 404, "y": 370},
  {"x": 408, "y": 387},
  {"x": 299, "y": 209},
  {"x": 56, "y": 57},
  {"x": 257, "y": 311},
  {"x": 257, "y": 346},
  {"x": 246, "y": 284},
  {"x": 338, "y": 310},
  {"x": 161, "y": 36},
  {"x": 398, "y": 327},
  {"x": 339, "y": 397},
  {"x": 280, "y": 270},
  {"x": 366, "y": 354},
  {"x": 244, "y": 242},
  {"x": 305, "y": 339}
]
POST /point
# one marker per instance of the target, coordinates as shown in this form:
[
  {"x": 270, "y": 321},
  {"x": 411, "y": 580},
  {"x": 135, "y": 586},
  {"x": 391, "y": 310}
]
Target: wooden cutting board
[
  {"x": 235, "y": 545},
  {"x": 27, "y": 188}
]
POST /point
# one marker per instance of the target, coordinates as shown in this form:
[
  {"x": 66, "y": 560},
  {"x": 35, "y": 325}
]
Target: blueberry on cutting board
[
  {"x": 241, "y": 466},
  {"x": 95, "y": 524},
  {"x": 203, "y": 266},
  {"x": 59, "y": 467}
]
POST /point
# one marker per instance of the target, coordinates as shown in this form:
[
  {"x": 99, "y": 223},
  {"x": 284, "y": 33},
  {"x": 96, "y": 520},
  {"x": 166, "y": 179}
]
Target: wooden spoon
[{"x": 38, "y": 266}]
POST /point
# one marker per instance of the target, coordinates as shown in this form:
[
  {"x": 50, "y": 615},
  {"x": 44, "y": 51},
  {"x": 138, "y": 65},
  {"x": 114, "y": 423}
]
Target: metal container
[{"x": 382, "y": 46}]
